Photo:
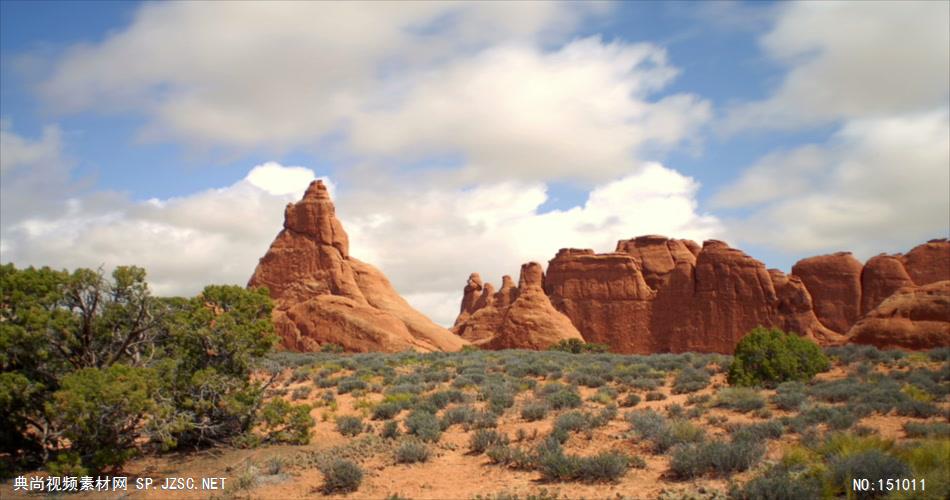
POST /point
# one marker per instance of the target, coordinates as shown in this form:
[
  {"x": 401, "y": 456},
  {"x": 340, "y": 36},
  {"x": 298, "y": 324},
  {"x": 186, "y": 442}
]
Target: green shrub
[
  {"x": 769, "y": 357},
  {"x": 349, "y": 425},
  {"x": 741, "y": 399},
  {"x": 576, "y": 346},
  {"x": 386, "y": 411},
  {"x": 283, "y": 422},
  {"x": 655, "y": 396},
  {"x": 630, "y": 400},
  {"x": 331, "y": 348},
  {"x": 485, "y": 438},
  {"x": 690, "y": 379},
  {"x": 424, "y": 425},
  {"x": 411, "y": 451},
  {"x": 100, "y": 410},
  {"x": 462, "y": 414},
  {"x": 341, "y": 476},
  {"x": 927, "y": 429},
  {"x": 390, "y": 430},
  {"x": 871, "y": 464},
  {"x": 350, "y": 384},
  {"x": 724, "y": 458},
  {"x": 534, "y": 410},
  {"x": 778, "y": 483}
]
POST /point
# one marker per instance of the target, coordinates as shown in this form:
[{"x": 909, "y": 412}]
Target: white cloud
[
  {"x": 279, "y": 74},
  {"x": 213, "y": 236},
  {"x": 425, "y": 237},
  {"x": 852, "y": 60},
  {"x": 436, "y": 237},
  {"x": 879, "y": 185},
  {"x": 493, "y": 84},
  {"x": 515, "y": 112}
]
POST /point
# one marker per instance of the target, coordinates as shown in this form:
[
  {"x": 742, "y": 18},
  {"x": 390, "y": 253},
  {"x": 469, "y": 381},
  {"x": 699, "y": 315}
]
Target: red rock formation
[
  {"x": 529, "y": 321},
  {"x": 834, "y": 282},
  {"x": 928, "y": 263},
  {"x": 881, "y": 277},
  {"x": 915, "y": 317},
  {"x": 603, "y": 295},
  {"x": 473, "y": 290},
  {"x": 796, "y": 311},
  {"x": 656, "y": 294},
  {"x": 323, "y": 295}
]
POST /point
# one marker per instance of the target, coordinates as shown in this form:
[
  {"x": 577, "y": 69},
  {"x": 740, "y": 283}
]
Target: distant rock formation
[
  {"x": 323, "y": 295},
  {"x": 514, "y": 318},
  {"x": 915, "y": 317},
  {"x": 655, "y": 294}
]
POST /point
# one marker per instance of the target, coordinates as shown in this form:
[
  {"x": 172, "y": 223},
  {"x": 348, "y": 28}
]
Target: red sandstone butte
[{"x": 323, "y": 295}]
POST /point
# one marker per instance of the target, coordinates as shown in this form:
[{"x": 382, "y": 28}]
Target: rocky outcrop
[
  {"x": 834, "y": 282},
  {"x": 517, "y": 318},
  {"x": 323, "y": 295},
  {"x": 915, "y": 317},
  {"x": 601, "y": 294},
  {"x": 655, "y": 294},
  {"x": 881, "y": 277},
  {"x": 928, "y": 263}
]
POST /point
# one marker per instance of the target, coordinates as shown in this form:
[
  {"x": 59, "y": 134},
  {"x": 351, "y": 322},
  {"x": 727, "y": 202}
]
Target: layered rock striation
[
  {"x": 655, "y": 294},
  {"x": 323, "y": 295}
]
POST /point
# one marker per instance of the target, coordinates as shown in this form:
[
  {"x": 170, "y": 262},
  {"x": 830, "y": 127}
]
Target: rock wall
[{"x": 655, "y": 294}]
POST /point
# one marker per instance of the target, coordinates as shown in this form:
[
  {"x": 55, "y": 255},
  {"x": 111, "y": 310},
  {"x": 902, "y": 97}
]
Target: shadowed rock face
[
  {"x": 517, "y": 318},
  {"x": 323, "y": 295},
  {"x": 655, "y": 294}
]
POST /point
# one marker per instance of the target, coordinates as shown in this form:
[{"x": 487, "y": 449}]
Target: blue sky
[{"x": 500, "y": 131}]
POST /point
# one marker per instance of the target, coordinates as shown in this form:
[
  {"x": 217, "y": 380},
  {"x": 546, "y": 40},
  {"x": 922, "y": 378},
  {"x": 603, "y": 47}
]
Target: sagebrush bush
[
  {"x": 390, "y": 430},
  {"x": 349, "y": 425},
  {"x": 630, "y": 400},
  {"x": 534, "y": 410},
  {"x": 423, "y": 424},
  {"x": 770, "y": 357},
  {"x": 341, "y": 476},
  {"x": 411, "y": 451},
  {"x": 482, "y": 439},
  {"x": 927, "y": 429},
  {"x": 724, "y": 458},
  {"x": 871, "y": 464},
  {"x": 778, "y": 483},
  {"x": 741, "y": 399},
  {"x": 386, "y": 411},
  {"x": 690, "y": 379}
]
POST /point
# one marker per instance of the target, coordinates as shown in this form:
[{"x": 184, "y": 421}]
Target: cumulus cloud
[
  {"x": 879, "y": 185},
  {"x": 437, "y": 237},
  {"x": 493, "y": 85},
  {"x": 852, "y": 60},
  {"x": 425, "y": 237},
  {"x": 880, "y": 74},
  {"x": 213, "y": 236},
  {"x": 279, "y": 74},
  {"x": 518, "y": 112}
]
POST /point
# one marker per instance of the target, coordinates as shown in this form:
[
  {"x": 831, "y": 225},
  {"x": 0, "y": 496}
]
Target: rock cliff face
[
  {"x": 516, "y": 318},
  {"x": 915, "y": 317},
  {"x": 655, "y": 294},
  {"x": 323, "y": 295}
]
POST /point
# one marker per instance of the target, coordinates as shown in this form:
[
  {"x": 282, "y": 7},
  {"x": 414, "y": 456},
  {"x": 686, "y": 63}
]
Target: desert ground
[{"x": 652, "y": 420}]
